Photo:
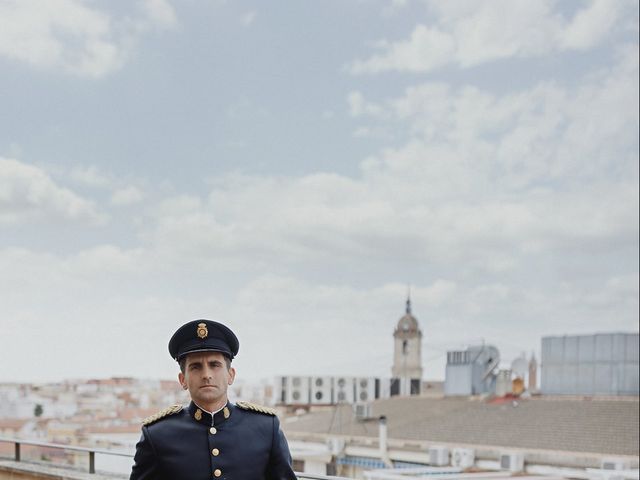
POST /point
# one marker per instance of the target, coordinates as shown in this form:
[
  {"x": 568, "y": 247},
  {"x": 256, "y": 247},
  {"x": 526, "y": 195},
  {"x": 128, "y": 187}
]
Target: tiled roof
[
  {"x": 12, "y": 423},
  {"x": 575, "y": 425}
]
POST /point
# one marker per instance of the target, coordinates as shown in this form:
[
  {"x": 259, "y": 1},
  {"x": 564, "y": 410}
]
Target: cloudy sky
[{"x": 290, "y": 169}]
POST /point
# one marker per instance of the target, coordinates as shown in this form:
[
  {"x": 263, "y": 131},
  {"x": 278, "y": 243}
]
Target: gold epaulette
[
  {"x": 256, "y": 408},
  {"x": 162, "y": 414}
]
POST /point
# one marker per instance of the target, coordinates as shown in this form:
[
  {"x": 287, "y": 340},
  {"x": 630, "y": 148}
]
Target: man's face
[{"x": 207, "y": 378}]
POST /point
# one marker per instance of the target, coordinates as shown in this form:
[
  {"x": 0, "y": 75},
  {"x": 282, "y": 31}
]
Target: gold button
[
  {"x": 213, "y": 430},
  {"x": 217, "y": 472},
  {"x": 215, "y": 452}
]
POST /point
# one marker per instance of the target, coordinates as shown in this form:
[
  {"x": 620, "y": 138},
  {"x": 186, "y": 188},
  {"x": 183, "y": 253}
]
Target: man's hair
[{"x": 183, "y": 362}]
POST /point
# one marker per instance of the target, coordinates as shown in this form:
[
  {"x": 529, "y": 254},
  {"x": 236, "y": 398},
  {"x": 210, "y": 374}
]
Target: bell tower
[{"x": 407, "y": 355}]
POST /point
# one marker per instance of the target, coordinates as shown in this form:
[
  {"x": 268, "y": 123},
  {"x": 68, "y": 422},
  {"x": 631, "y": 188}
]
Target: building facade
[
  {"x": 471, "y": 371},
  {"x": 599, "y": 364}
]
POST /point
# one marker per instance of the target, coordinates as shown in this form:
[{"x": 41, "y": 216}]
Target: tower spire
[{"x": 409, "y": 299}]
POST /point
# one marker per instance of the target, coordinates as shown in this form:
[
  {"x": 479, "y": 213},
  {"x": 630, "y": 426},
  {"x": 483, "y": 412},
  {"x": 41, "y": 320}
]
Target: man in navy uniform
[{"x": 211, "y": 438}]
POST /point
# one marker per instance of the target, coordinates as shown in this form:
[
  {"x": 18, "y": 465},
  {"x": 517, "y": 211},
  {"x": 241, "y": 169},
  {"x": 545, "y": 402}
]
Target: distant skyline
[{"x": 290, "y": 170}]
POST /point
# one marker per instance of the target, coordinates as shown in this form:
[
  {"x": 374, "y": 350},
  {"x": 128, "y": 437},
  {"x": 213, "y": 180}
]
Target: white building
[
  {"x": 600, "y": 364},
  {"x": 471, "y": 371}
]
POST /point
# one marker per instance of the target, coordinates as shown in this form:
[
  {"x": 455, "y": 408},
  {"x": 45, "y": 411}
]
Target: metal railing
[
  {"x": 92, "y": 455},
  {"x": 71, "y": 448}
]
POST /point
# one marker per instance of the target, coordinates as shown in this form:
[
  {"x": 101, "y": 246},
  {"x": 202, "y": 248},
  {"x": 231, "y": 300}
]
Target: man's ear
[
  {"x": 182, "y": 380},
  {"x": 232, "y": 375}
]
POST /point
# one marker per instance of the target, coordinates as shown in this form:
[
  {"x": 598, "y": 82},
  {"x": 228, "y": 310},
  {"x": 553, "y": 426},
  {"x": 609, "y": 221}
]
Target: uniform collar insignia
[{"x": 200, "y": 415}]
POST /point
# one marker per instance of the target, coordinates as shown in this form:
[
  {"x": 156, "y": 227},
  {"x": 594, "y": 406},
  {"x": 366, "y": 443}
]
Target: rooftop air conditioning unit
[
  {"x": 513, "y": 462},
  {"x": 362, "y": 410},
  {"x": 343, "y": 389},
  {"x": 280, "y": 391},
  {"x": 297, "y": 391},
  {"x": 321, "y": 391},
  {"x": 614, "y": 464},
  {"x": 365, "y": 389},
  {"x": 438, "y": 456},
  {"x": 463, "y": 457}
]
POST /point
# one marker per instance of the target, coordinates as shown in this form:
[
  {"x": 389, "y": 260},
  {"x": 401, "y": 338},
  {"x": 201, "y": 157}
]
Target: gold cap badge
[{"x": 202, "y": 330}]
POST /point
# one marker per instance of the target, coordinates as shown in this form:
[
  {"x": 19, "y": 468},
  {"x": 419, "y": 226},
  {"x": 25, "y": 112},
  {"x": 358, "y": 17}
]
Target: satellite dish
[
  {"x": 492, "y": 359},
  {"x": 519, "y": 367}
]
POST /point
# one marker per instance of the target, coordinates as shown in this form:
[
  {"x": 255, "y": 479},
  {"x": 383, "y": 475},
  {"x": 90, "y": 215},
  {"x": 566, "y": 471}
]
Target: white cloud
[
  {"x": 511, "y": 215},
  {"x": 358, "y": 106},
  {"x": 362, "y": 132},
  {"x": 90, "y": 176},
  {"x": 129, "y": 195},
  {"x": 485, "y": 181},
  {"x": 591, "y": 25},
  {"x": 249, "y": 18},
  {"x": 160, "y": 13},
  {"x": 427, "y": 48},
  {"x": 314, "y": 220},
  {"x": 465, "y": 34},
  {"x": 123, "y": 192},
  {"x": 546, "y": 133},
  {"x": 445, "y": 203},
  {"x": 74, "y": 36},
  {"x": 28, "y": 193},
  {"x": 493, "y": 178},
  {"x": 441, "y": 291},
  {"x": 143, "y": 293}
]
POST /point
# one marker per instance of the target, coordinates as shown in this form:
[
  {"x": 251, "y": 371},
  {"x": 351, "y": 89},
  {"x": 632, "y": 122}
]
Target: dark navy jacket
[{"x": 236, "y": 444}]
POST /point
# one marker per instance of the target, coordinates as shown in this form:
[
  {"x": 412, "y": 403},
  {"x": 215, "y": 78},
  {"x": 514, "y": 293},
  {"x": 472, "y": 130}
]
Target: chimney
[{"x": 382, "y": 441}]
